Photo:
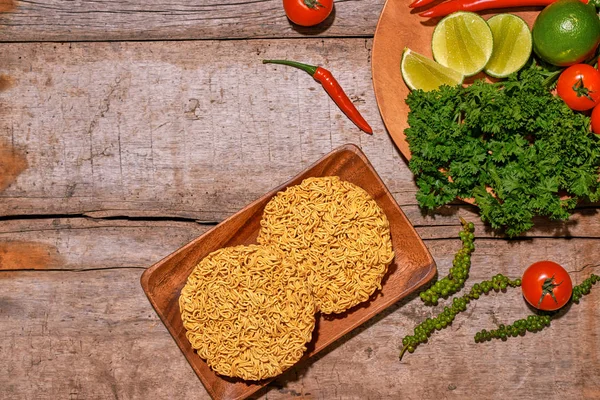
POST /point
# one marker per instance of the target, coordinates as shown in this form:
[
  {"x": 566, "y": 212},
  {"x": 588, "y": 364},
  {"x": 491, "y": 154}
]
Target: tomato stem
[
  {"x": 548, "y": 288},
  {"x": 580, "y": 89},
  {"x": 314, "y": 4}
]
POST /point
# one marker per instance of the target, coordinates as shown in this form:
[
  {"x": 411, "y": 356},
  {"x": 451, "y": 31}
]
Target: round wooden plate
[{"x": 399, "y": 26}]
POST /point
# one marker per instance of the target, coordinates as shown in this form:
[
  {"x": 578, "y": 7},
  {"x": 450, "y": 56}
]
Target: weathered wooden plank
[
  {"x": 92, "y": 243},
  {"x": 154, "y": 130},
  {"x": 116, "y": 134},
  {"x": 86, "y": 243},
  {"x": 188, "y": 129},
  {"x": 92, "y": 334},
  {"x": 58, "y": 20},
  {"x": 85, "y": 335}
]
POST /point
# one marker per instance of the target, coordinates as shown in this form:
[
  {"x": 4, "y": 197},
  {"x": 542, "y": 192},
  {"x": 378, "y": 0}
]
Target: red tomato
[
  {"x": 596, "y": 120},
  {"x": 307, "y": 12},
  {"x": 579, "y": 87},
  {"x": 546, "y": 285}
]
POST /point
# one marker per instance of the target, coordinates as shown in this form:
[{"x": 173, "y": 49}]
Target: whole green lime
[{"x": 566, "y": 32}]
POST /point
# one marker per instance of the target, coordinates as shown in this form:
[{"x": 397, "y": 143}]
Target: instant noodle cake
[
  {"x": 337, "y": 235},
  {"x": 248, "y": 311}
]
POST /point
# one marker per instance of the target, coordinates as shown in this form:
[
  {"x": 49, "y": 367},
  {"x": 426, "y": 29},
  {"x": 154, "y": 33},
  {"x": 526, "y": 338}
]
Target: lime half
[
  {"x": 420, "y": 72},
  {"x": 512, "y": 45},
  {"x": 462, "y": 41}
]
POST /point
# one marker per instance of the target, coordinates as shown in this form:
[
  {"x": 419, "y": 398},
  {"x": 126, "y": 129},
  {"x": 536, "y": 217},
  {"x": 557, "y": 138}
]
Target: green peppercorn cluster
[
  {"x": 459, "y": 272},
  {"x": 454, "y": 281},
  {"x": 497, "y": 283},
  {"x": 584, "y": 288},
  {"x": 533, "y": 323},
  {"x": 459, "y": 304}
]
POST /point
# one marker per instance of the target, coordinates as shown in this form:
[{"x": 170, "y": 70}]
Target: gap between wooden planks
[{"x": 24, "y": 21}]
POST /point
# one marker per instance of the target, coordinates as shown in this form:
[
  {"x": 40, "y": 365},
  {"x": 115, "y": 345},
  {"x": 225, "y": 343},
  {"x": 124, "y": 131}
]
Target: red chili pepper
[
  {"x": 333, "y": 88},
  {"x": 420, "y": 3},
  {"x": 451, "y": 6}
]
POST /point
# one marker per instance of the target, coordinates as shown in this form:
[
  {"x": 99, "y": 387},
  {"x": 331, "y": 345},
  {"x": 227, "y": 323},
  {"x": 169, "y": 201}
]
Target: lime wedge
[
  {"x": 512, "y": 45},
  {"x": 420, "y": 72},
  {"x": 462, "y": 41}
]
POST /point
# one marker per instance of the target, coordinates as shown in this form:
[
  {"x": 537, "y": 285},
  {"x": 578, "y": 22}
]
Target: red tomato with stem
[
  {"x": 579, "y": 87},
  {"x": 546, "y": 285},
  {"x": 307, "y": 12},
  {"x": 596, "y": 120}
]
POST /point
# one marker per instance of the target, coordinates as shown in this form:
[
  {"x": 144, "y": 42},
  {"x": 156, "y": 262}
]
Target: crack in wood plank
[
  {"x": 36, "y": 270},
  {"x": 93, "y": 216}
]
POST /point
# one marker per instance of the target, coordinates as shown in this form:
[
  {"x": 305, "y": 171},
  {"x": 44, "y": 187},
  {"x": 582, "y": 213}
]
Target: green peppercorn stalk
[
  {"x": 459, "y": 272},
  {"x": 584, "y": 288},
  {"x": 534, "y": 323},
  {"x": 459, "y": 304}
]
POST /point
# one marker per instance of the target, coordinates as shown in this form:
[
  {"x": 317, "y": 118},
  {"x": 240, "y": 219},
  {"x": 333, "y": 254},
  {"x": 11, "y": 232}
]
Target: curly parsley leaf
[{"x": 511, "y": 145}]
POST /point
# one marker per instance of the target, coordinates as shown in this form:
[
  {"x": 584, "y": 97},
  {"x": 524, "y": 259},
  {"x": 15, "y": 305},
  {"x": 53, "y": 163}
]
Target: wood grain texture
[
  {"x": 12, "y": 163},
  {"x": 188, "y": 129},
  {"x": 193, "y": 130},
  {"x": 102, "y": 20},
  {"x": 92, "y": 334},
  {"x": 114, "y": 153},
  {"x": 7, "y": 6},
  {"x": 6, "y": 82},
  {"x": 86, "y": 243}
]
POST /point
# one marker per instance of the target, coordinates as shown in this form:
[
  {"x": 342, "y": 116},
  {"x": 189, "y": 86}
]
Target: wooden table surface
[{"x": 128, "y": 128}]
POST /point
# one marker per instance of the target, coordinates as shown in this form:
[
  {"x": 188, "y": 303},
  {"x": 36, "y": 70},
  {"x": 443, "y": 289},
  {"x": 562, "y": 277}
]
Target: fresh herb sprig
[{"x": 514, "y": 137}]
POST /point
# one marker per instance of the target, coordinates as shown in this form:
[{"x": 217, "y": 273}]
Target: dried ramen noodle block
[
  {"x": 247, "y": 311},
  {"x": 338, "y": 236}
]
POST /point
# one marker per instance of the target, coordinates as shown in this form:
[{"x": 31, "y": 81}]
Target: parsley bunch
[{"x": 514, "y": 137}]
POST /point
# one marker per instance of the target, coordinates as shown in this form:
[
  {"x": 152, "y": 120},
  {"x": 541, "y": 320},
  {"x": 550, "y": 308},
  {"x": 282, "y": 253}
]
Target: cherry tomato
[
  {"x": 546, "y": 285},
  {"x": 579, "y": 87},
  {"x": 596, "y": 120},
  {"x": 307, "y": 12}
]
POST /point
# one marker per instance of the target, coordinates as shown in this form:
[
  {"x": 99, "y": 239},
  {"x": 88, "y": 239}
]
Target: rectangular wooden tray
[{"x": 411, "y": 268}]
